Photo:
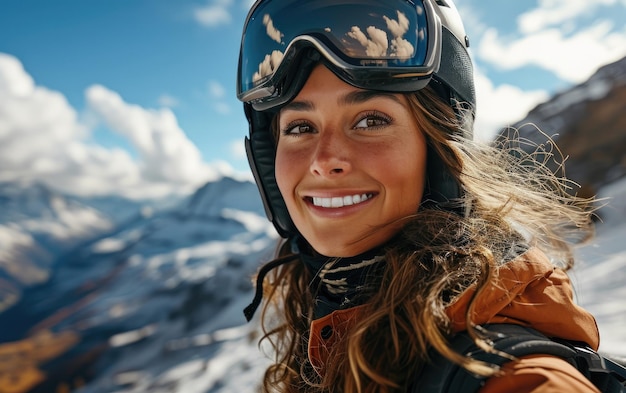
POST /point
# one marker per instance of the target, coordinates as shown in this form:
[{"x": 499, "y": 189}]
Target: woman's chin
[{"x": 339, "y": 245}]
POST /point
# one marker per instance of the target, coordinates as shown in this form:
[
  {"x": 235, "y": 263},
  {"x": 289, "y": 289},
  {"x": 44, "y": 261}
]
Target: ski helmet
[{"x": 398, "y": 46}]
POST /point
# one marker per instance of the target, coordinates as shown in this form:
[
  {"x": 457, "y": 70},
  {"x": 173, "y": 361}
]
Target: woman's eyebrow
[
  {"x": 299, "y": 106},
  {"x": 352, "y": 98},
  {"x": 361, "y": 96}
]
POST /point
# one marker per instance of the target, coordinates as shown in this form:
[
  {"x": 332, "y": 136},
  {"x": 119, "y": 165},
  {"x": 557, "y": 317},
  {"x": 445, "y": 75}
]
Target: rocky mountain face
[{"x": 588, "y": 124}]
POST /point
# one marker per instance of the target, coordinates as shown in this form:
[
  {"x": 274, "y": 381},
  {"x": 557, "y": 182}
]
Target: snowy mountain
[
  {"x": 36, "y": 226},
  {"x": 600, "y": 273},
  {"x": 212, "y": 197},
  {"x": 124, "y": 310}
]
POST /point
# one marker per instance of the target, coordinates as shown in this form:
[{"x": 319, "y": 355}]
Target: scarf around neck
[
  {"x": 338, "y": 283},
  {"x": 341, "y": 283}
]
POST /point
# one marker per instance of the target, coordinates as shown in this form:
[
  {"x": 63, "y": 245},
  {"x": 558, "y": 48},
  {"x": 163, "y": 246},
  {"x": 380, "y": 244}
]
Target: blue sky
[{"x": 137, "y": 97}]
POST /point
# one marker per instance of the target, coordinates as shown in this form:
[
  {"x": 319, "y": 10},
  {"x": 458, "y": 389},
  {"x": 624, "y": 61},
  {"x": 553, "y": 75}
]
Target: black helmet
[{"x": 284, "y": 39}]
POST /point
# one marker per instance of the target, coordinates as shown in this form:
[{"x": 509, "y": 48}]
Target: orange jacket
[{"x": 528, "y": 291}]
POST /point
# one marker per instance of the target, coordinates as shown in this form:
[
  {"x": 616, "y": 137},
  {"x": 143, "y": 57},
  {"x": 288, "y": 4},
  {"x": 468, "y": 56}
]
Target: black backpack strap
[
  {"x": 605, "y": 374},
  {"x": 443, "y": 376}
]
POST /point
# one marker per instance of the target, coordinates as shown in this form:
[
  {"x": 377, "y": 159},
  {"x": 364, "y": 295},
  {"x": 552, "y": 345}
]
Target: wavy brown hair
[{"x": 512, "y": 197}]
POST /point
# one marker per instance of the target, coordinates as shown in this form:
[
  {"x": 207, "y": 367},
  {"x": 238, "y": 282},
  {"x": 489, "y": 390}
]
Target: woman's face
[{"x": 349, "y": 164}]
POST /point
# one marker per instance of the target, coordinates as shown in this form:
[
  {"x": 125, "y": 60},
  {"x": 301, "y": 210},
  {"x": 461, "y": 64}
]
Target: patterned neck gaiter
[{"x": 341, "y": 283}]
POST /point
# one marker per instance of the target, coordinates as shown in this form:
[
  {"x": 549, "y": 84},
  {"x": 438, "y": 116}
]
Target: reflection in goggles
[
  {"x": 373, "y": 43},
  {"x": 268, "y": 65},
  {"x": 376, "y": 45}
]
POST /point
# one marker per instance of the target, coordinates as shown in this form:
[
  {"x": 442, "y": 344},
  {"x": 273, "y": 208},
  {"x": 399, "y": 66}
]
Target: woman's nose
[{"x": 332, "y": 155}]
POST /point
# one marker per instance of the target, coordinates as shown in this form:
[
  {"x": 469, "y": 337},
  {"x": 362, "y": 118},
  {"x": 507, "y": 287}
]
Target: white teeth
[{"x": 341, "y": 201}]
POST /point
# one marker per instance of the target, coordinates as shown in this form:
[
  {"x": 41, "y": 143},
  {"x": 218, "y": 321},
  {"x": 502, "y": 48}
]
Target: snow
[
  {"x": 11, "y": 237},
  {"x": 251, "y": 221},
  {"x": 594, "y": 89},
  {"x": 600, "y": 289},
  {"x": 36, "y": 225},
  {"x": 600, "y": 274},
  {"x": 126, "y": 338},
  {"x": 109, "y": 245}
]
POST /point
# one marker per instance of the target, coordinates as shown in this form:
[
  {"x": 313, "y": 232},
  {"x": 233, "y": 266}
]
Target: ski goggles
[{"x": 388, "y": 45}]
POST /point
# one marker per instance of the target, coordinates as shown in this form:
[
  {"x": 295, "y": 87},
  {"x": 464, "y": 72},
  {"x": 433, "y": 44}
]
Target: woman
[{"x": 400, "y": 232}]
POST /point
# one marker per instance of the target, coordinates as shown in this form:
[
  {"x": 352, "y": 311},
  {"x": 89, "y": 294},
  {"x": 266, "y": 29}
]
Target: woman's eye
[
  {"x": 372, "y": 120},
  {"x": 297, "y": 129}
]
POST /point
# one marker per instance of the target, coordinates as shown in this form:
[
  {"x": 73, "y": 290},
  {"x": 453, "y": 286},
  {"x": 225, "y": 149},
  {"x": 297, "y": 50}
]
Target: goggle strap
[
  {"x": 261, "y": 152},
  {"x": 456, "y": 68}
]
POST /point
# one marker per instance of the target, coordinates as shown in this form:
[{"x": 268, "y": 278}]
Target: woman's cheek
[{"x": 286, "y": 167}]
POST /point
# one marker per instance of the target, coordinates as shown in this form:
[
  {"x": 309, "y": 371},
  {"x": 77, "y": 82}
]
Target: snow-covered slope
[
  {"x": 159, "y": 296},
  {"x": 600, "y": 274},
  {"x": 36, "y": 226}
]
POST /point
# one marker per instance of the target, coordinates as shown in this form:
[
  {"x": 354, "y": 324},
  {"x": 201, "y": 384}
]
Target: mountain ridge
[
  {"x": 146, "y": 286},
  {"x": 588, "y": 124}
]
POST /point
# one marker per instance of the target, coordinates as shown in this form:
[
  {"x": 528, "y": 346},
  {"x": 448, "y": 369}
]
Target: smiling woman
[
  {"x": 348, "y": 160},
  {"x": 401, "y": 233}
]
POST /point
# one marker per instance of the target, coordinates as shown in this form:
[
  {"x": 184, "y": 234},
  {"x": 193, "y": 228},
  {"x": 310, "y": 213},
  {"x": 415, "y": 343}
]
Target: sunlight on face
[{"x": 349, "y": 164}]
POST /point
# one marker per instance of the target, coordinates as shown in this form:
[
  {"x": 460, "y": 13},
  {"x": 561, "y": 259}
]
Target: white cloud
[
  {"x": 376, "y": 45},
  {"x": 555, "y": 12},
  {"x": 13, "y": 78},
  {"x": 43, "y": 139},
  {"x": 500, "y": 106},
  {"x": 217, "y": 94},
  {"x": 268, "y": 65},
  {"x": 168, "y": 101},
  {"x": 473, "y": 18},
  {"x": 165, "y": 153},
  {"x": 216, "y": 89},
  {"x": 400, "y": 47},
  {"x": 573, "y": 58},
  {"x": 238, "y": 149},
  {"x": 398, "y": 28},
  {"x": 37, "y": 125},
  {"x": 221, "y": 108},
  {"x": 272, "y": 31},
  {"x": 215, "y": 14}
]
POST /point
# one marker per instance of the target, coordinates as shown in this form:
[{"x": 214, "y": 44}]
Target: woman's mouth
[{"x": 337, "y": 202}]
